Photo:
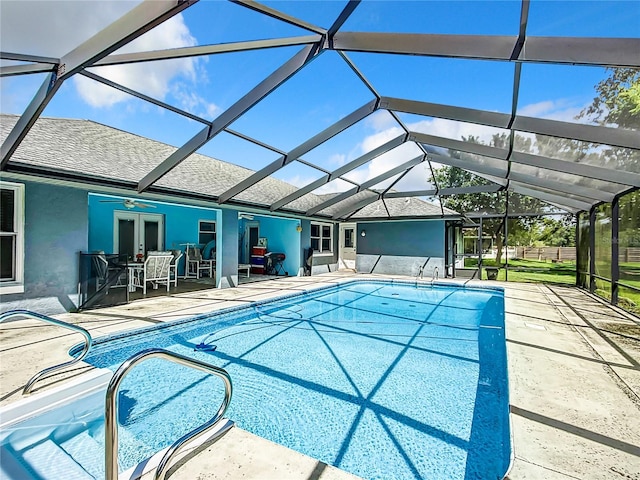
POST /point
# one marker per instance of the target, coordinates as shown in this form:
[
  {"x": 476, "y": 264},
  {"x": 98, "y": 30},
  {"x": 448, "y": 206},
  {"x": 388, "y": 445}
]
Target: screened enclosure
[{"x": 350, "y": 111}]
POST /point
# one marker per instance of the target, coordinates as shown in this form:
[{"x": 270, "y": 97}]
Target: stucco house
[{"x": 71, "y": 186}]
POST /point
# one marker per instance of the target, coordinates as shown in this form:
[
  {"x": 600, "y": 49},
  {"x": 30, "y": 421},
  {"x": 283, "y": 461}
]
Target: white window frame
[
  {"x": 320, "y": 238},
  {"x": 16, "y": 285},
  {"x": 214, "y": 231}
]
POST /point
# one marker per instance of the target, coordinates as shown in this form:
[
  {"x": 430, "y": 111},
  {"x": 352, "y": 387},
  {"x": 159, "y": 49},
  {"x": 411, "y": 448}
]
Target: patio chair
[
  {"x": 196, "y": 264},
  {"x": 100, "y": 269},
  {"x": 108, "y": 272},
  {"x": 173, "y": 267},
  {"x": 155, "y": 270}
]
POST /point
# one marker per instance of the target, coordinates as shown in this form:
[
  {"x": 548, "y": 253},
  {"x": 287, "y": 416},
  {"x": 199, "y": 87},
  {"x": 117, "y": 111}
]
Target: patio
[{"x": 574, "y": 379}]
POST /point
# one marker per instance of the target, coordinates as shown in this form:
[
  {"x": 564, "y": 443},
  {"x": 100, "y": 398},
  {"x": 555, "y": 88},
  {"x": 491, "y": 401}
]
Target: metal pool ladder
[
  {"x": 111, "y": 409},
  {"x": 47, "y": 371}
]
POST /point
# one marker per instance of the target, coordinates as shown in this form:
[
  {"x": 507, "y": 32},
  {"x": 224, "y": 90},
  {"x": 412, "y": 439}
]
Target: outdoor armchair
[{"x": 156, "y": 269}]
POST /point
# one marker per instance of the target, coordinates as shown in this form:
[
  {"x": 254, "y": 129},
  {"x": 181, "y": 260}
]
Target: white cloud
[
  {"x": 35, "y": 28},
  {"x": 151, "y": 78},
  {"x": 299, "y": 180},
  {"x": 563, "y": 109},
  {"x": 456, "y": 130},
  {"x": 190, "y": 101},
  {"x": 54, "y": 28},
  {"x": 374, "y": 141},
  {"x": 338, "y": 159},
  {"x": 335, "y": 186},
  {"x": 380, "y": 120}
]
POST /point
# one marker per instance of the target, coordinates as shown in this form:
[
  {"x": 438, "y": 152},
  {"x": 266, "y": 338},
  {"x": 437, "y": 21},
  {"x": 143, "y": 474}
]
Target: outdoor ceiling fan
[{"x": 129, "y": 203}]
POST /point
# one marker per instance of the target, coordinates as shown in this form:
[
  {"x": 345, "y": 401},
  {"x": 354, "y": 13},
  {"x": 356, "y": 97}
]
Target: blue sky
[{"x": 322, "y": 93}]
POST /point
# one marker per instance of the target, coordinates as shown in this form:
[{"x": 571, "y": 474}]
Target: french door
[{"x": 135, "y": 233}]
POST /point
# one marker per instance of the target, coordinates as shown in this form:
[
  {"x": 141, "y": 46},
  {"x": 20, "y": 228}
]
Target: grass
[{"x": 532, "y": 271}]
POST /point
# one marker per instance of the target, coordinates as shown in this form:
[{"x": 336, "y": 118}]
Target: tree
[
  {"x": 558, "y": 232},
  {"x": 618, "y": 99},
  {"x": 617, "y": 103},
  {"x": 485, "y": 203}
]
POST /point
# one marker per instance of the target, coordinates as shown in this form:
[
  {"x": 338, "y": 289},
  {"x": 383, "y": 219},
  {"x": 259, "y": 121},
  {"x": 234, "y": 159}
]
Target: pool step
[
  {"x": 10, "y": 467},
  {"x": 86, "y": 451},
  {"x": 50, "y": 462}
]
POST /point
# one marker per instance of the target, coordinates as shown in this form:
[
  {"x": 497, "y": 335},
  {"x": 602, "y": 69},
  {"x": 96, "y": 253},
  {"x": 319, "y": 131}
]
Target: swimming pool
[{"x": 384, "y": 380}]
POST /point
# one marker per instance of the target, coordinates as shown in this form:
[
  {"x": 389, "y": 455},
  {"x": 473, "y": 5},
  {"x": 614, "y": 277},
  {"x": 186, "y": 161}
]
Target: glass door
[
  {"x": 137, "y": 233},
  {"x": 347, "y": 246}
]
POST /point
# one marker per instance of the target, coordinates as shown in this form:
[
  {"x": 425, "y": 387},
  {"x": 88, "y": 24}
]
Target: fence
[
  {"x": 546, "y": 253},
  {"x": 560, "y": 254}
]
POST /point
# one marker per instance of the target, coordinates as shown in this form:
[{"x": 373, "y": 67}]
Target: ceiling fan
[{"x": 129, "y": 203}]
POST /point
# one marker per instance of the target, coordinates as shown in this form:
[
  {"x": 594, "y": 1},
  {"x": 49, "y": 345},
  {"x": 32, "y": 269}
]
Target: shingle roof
[{"x": 102, "y": 152}]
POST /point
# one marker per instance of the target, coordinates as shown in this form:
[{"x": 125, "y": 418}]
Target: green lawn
[
  {"x": 565, "y": 273},
  {"x": 531, "y": 271}
]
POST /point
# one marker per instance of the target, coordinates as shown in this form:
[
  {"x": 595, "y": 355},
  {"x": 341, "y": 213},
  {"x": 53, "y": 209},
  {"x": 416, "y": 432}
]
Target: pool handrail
[
  {"x": 38, "y": 316},
  {"x": 111, "y": 408}
]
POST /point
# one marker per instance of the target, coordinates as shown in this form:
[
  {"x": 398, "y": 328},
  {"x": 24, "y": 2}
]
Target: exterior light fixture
[
  {"x": 363, "y": 233},
  {"x": 298, "y": 228}
]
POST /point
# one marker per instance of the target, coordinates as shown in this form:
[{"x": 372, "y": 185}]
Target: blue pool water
[{"x": 382, "y": 380}]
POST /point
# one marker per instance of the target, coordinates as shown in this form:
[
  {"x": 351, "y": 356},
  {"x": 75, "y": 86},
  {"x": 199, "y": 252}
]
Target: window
[
  {"x": 11, "y": 238},
  {"x": 321, "y": 237},
  {"x": 349, "y": 238},
  {"x": 206, "y": 232}
]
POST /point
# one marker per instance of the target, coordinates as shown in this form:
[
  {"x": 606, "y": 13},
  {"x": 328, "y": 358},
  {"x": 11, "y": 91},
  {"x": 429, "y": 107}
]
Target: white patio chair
[
  {"x": 196, "y": 264},
  {"x": 156, "y": 270},
  {"x": 173, "y": 268}
]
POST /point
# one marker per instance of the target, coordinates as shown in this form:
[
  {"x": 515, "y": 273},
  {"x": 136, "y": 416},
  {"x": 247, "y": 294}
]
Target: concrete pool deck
[{"x": 574, "y": 379}]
